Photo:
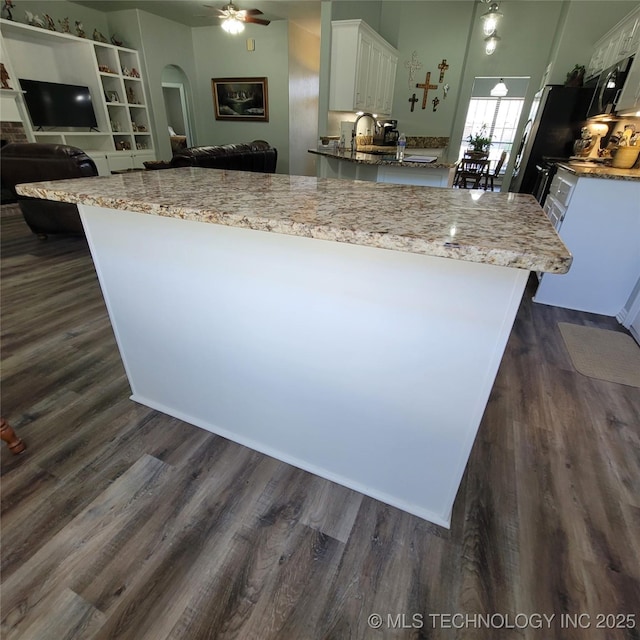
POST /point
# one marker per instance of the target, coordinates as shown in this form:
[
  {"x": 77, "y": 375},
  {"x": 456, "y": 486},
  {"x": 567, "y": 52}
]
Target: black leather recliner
[
  {"x": 257, "y": 156},
  {"x": 36, "y": 162}
]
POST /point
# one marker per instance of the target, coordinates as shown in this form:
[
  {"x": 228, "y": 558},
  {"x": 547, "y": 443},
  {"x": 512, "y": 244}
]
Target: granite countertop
[
  {"x": 599, "y": 170},
  {"x": 389, "y": 159},
  {"x": 494, "y": 228}
]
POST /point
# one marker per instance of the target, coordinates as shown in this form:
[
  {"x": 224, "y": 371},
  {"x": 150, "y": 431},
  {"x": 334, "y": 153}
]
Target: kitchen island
[
  {"x": 382, "y": 166},
  {"x": 596, "y": 212},
  {"x": 314, "y": 320},
  {"x": 600, "y": 170}
]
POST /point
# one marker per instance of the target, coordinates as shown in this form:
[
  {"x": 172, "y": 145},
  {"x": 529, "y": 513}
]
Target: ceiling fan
[{"x": 233, "y": 19}]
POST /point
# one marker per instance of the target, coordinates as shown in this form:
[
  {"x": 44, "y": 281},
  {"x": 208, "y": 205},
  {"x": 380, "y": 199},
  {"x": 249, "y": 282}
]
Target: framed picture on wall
[{"x": 240, "y": 99}]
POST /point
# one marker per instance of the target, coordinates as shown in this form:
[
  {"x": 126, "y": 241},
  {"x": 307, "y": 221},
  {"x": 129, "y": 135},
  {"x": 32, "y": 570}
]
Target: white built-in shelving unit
[{"x": 123, "y": 139}]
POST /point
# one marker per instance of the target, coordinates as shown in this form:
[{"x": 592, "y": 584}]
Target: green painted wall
[
  {"x": 586, "y": 22},
  {"x": 220, "y": 55},
  {"x": 368, "y": 10},
  {"x": 534, "y": 33},
  {"x": 304, "y": 73},
  {"x": 60, "y": 9},
  {"x": 435, "y": 31}
]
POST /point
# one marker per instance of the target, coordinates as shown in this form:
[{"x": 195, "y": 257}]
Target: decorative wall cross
[
  {"x": 426, "y": 86},
  {"x": 435, "y": 102},
  {"x": 413, "y": 101},
  {"x": 443, "y": 66},
  {"x": 413, "y": 65}
]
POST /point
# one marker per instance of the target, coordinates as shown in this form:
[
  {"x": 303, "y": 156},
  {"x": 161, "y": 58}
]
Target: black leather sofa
[
  {"x": 257, "y": 156},
  {"x": 35, "y": 162}
]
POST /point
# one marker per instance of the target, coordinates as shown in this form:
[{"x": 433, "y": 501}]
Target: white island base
[{"x": 365, "y": 366}]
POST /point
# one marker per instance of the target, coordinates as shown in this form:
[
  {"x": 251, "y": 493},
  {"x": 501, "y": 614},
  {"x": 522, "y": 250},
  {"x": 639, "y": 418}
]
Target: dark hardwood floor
[{"x": 120, "y": 522}]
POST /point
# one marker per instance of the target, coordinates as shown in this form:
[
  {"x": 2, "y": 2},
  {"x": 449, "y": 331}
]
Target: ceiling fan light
[{"x": 233, "y": 26}]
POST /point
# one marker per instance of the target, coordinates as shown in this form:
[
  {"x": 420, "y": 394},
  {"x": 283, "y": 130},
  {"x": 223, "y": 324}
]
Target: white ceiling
[{"x": 304, "y": 13}]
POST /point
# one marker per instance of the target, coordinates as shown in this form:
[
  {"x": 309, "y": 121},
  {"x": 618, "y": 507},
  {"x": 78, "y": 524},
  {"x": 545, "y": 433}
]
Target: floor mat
[{"x": 603, "y": 354}]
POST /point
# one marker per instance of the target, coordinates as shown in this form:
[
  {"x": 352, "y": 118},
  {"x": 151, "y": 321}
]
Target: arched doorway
[{"x": 175, "y": 95}]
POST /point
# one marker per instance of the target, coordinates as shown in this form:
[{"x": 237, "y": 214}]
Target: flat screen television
[{"x": 51, "y": 104}]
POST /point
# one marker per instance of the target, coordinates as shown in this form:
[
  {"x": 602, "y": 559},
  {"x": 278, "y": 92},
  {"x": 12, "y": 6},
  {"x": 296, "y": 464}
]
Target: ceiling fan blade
[
  {"x": 257, "y": 20},
  {"x": 220, "y": 12},
  {"x": 244, "y": 15}
]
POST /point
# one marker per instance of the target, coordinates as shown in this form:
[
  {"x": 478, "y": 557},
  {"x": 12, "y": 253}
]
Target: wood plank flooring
[{"x": 119, "y": 522}]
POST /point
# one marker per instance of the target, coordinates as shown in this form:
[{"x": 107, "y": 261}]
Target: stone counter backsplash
[
  {"x": 413, "y": 142},
  {"x": 427, "y": 142}
]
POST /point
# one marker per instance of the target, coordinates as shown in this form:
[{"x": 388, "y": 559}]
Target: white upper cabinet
[
  {"x": 617, "y": 44},
  {"x": 629, "y": 37},
  {"x": 388, "y": 78},
  {"x": 362, "y": 83},
  {"x": 363, "y": 69},
  {"x": 623, "y": 41},
  {"x": 629, "y": 101}
]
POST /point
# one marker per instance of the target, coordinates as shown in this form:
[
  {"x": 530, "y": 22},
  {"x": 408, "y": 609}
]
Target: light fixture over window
[
  {"x": 500, "y": 90},
  {"x": 233, "y": 26},
  {"x": 490, "y": 19},
  {"x": 490, "y": 44}
]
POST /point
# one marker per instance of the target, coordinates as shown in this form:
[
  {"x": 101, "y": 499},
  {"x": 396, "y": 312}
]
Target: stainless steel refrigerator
[{"x": 556, "y": 117}]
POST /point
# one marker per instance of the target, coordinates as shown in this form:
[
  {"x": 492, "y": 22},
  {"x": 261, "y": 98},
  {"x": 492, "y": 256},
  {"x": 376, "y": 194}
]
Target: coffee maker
[{"x": 387, "y": 133}]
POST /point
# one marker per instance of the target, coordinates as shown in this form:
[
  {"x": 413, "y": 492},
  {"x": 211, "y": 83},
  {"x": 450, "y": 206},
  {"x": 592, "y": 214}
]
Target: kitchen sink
[{"x": 378, "y": 152}]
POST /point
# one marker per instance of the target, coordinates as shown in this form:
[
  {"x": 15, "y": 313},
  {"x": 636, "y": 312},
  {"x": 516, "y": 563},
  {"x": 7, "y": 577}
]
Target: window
[{"x": 500, "y": 117}]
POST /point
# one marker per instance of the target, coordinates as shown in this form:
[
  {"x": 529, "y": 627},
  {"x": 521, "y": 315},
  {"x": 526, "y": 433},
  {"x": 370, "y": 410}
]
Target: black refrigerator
[{"x": 556, "y": 117}]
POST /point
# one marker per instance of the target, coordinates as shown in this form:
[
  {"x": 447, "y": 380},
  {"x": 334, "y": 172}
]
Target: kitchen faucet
[{"x": 362, "y": 114}]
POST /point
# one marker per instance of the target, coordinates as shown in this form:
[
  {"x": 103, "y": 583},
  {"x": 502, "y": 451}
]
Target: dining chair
[
  {"x": 471, "y": 172},
  {"x": 496, "y": 172}
]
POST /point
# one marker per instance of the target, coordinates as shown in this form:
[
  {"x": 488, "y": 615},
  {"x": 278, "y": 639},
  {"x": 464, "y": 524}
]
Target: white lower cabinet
[
  {"x": 555, "y": 211},
  {"x": 555, "y": 206},
  {"x": 599, "y": 221},
  {"x": 120, "y": 160},
  {"x": 102, "y": 163},
  {"x": 629, "y": 317},
  {"x": 140, "y": 158}
]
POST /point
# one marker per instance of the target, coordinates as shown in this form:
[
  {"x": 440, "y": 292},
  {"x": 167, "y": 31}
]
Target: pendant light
[
  {"x": 490, "y": 19},
  {"x": 500, "y": 90},
  {"x": 491, "y": 43}
]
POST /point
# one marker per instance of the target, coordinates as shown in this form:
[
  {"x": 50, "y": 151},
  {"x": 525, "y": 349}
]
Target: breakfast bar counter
[
  {"x": 352, "y": 329},
  {"x": 380, "y": 165}
]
